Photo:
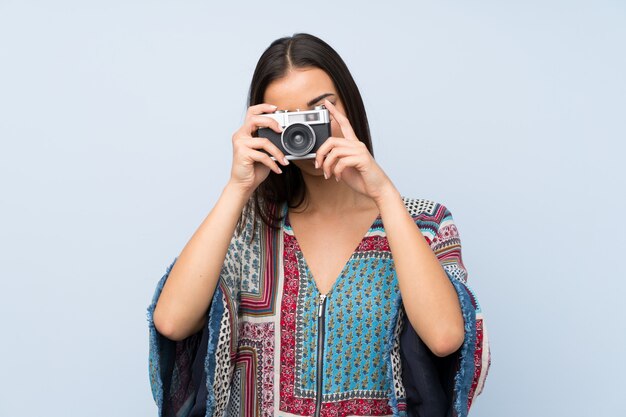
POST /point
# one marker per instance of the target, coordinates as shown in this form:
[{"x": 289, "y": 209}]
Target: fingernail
[
  {"x": 285, "y": 161},
  {"x": 317, "y": 164},
  {"x": 325, "y": 176},
  {"x": 280, "y": 171},
  {"x": 337, "y": 178}
]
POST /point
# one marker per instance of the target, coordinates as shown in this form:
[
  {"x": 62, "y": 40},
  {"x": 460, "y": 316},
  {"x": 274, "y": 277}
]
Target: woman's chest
[
  {"x": 357, "y": 310},
  {"x": 343, "y": 333},
  {"x": 305, "y": 349},
  {"x": 326, "y": 247}
]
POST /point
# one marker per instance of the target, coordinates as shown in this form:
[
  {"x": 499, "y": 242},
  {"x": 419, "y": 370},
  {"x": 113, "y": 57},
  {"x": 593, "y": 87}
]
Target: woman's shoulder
[
  {"x": 251, "y": 227},
  {"x": 429, "y": 215},
  {"x": 423, "y": 207}
]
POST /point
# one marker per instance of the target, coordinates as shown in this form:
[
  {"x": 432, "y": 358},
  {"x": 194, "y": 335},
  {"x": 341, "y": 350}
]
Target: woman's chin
[{"x": 307, "y": 166}]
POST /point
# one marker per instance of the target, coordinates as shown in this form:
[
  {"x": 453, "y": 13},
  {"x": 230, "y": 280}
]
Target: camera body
[{"x": 303, "y": 132}]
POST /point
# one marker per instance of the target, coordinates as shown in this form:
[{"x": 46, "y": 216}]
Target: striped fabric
[{"x": 271, "y": 341}]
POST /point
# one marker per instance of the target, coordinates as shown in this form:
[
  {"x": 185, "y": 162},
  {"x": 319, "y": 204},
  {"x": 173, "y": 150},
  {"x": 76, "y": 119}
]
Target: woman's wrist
[
  {"x": 237, "y": 193},
  {"x": 389, "y": 195}
]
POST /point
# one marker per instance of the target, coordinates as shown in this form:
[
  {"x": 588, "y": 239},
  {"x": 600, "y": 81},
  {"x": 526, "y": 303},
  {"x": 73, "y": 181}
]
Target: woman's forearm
[
  {"x": 181, "y": 308},
  {"x": 429, "y": 298}
]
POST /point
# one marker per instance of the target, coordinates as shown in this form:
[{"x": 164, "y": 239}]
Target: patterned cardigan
[{"x": 193, "y": 377}]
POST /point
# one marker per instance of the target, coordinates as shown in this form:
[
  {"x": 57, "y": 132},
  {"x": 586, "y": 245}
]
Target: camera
[{"x": 303, "y": 132}]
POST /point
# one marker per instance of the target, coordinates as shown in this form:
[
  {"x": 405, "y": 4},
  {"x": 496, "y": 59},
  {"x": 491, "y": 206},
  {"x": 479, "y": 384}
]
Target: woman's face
[{"x": 303, "y": 89}]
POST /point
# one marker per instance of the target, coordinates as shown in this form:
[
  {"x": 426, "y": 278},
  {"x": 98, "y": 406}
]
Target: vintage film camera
[{"x": 303, "y": 132}]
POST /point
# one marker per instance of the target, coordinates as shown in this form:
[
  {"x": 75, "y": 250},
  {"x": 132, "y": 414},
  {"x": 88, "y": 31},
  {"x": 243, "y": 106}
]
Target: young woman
[{"x": 313, "y": 287}]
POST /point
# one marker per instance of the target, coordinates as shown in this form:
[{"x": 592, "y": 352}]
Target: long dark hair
[{"x": 301, "y": 50}]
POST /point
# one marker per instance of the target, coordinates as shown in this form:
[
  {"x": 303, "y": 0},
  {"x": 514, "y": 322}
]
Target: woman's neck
[{"x": 327, "y": 197}]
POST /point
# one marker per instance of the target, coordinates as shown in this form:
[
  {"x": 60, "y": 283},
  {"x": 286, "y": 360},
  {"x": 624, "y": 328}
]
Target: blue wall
[{"x": 115, "y": 126}]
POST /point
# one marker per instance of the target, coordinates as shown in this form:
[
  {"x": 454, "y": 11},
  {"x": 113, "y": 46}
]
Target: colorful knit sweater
[{"x": 274, "y": 346}]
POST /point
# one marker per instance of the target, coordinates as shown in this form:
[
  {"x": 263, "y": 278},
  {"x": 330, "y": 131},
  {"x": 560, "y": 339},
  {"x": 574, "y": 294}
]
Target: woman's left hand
[{"x": 348, "y": 159}]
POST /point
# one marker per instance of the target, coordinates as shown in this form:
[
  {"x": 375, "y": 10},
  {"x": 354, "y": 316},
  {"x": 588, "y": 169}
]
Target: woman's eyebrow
[{"x": 316, "y": 99}]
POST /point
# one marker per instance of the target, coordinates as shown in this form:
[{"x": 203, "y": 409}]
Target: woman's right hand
[{"x": 250, "y": 165}]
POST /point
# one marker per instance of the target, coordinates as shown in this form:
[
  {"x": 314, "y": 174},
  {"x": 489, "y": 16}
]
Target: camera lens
[{"x": 298, "y": 139}]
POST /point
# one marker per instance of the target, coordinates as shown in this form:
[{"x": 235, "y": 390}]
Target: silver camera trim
[
  {"x": 282, "y": 116},
  {"x": 292, "y": 157}
]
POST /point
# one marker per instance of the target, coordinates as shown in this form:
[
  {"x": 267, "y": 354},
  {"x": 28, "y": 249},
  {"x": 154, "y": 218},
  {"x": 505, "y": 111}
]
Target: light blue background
[{"x": 115, "y": 125}]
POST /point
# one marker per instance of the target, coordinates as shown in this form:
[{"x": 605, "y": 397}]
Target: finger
[
  {"x": 320, "y": 153},
  {"x": 242, "y": 143},
  {"x": 264, "y": 159},
  {"x": 256, "y": 121},
  {"x": 343, "y": 121},
  {"x": 260, "y": 109},
  {"x": 343, "y": 163},
  {"x": 328, "y": 144},
  {"x": 332, "y": 157},
  {"x": 266, "y": 144}
]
